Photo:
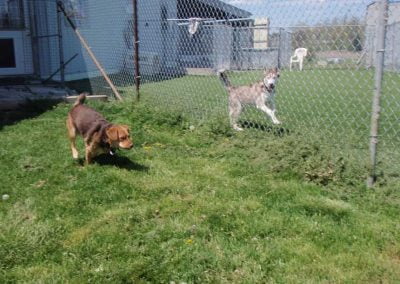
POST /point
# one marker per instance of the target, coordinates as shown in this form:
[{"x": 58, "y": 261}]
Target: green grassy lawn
[
  {"x": 194, "y": 205},
  {"x": 329, "y": 100},
  {"x": 331, "y": 106}
]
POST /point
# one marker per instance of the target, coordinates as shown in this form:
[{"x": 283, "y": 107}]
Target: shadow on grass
[
  {"x": 26, "y": 110},
  {"x": 275, "y": 130},
  {"x": 119, "y": 162},
  {"x": 121, "y": 80}
]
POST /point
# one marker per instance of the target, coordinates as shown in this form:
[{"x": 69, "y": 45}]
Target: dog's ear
[
  {"x": 125, "y": 127},
  {"x": 112, "y": 133}
]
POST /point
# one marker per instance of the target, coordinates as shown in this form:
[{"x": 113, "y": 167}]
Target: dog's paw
[{"x": 275, "y": 120}]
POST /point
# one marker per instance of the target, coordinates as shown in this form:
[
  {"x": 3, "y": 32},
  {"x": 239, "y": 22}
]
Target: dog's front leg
[
  {"x": 89, "y": 153},
  {"x": 234, "y": 112},
  {"x": 270, "y": 112},
  {"x": 272, "y": 102},
  {"x": 72, "y": 137},
  {"x": 75, "y": 153}
]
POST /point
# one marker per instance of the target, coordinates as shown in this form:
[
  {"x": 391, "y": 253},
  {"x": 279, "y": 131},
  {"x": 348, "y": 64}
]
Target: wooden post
[{"x": 88, "y": 49}]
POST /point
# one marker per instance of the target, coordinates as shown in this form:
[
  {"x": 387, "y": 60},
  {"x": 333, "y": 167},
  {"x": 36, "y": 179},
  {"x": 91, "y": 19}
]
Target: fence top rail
[
  {"x": 207, "y": 20},
  {"x": 318, "y": 26}
]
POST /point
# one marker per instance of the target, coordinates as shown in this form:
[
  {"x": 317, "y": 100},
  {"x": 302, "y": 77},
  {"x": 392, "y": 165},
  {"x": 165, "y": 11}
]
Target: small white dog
[{"x": 258, "y": 94}]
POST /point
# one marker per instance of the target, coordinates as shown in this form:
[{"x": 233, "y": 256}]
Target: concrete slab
[
  {"x": 13, "y": 96},
  {"x": 72, "y": 99}
]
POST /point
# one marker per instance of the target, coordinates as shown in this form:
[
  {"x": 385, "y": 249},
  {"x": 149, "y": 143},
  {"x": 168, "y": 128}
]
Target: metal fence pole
[
  {"x": 35, "y": 44},
  {"x": 136, "y": 48},
  {"x": 379, "y": 70},
  {"x": 60, "y": 47},
  {"x": 280, "y": 48}
]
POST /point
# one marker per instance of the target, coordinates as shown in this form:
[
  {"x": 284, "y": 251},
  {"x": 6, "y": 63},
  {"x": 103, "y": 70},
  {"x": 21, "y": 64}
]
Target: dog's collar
[
  {"x": 104, "y": 141},
  {"x": 267, "y": 89},
  {"x": 104, "y": 144}
]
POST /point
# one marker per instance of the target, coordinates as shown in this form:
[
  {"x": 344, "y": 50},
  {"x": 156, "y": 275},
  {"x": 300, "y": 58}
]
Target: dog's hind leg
[
  {"x": 72, "y": 137},
  {"x": 234, "y": 112},
  {"x": 270, "y": 112}
]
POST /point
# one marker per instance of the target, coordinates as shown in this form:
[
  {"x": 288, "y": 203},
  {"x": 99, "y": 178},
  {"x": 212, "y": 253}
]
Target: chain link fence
[{"x": 327, "y": 97}]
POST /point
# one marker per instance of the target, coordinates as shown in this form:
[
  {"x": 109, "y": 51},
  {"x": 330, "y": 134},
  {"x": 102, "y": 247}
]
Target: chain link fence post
[
  {"x": 136, "y": 48},
  {"x": 60, "y": 47},
  {"x": 379, "y": 71}
]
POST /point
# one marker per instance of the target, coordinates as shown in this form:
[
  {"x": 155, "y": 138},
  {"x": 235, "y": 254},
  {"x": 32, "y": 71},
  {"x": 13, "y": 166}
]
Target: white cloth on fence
[{"x": 194, "y": 24}]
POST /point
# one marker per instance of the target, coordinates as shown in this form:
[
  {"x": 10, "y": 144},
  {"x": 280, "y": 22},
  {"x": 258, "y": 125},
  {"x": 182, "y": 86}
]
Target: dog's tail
[
  {"x": 81, "y": 99},
  {"x": 224, "y": 78}
]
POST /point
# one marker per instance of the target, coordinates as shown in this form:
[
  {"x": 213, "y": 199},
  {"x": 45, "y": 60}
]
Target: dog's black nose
[{"x": 271, "y": 86}]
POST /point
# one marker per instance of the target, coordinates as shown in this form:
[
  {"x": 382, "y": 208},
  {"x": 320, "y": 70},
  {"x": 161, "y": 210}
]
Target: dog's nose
[{"x": 271, "y": 86}]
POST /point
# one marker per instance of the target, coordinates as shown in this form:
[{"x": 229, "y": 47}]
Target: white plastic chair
[{"x": 298, "y": 57}]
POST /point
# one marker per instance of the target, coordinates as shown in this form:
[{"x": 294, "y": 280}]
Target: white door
[{"x": 15, "y": 45}]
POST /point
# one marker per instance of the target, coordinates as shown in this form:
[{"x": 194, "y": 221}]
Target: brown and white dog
[
  {"x": 258, "y": 94},
  {"x": 99, "y": 135}
]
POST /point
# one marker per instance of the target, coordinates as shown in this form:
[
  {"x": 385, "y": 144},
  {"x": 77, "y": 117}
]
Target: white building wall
[
  {"x": 102, "y": 27},
  {"x": 22, "y": 46},
  {"x": 158, "y": 47},
  {"x": 105, "y": 27},
  {"x": 45, "y": 42},
  {"x": 27, "y": 42}
]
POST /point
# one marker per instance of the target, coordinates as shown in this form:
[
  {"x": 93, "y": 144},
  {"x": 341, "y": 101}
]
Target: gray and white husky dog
[{"x": 259, "y": 94}]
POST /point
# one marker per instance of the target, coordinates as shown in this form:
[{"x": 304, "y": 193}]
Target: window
[{"x": 7, "y": 54}]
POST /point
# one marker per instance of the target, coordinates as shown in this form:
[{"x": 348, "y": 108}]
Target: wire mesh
[
  {"x": 327, "y": 97},
  {"x": 44, "y": 37}
]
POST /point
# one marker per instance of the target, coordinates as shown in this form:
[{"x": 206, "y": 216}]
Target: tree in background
[{"x": 338, "y": 35}]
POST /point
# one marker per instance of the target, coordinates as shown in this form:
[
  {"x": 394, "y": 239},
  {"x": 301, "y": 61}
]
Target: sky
[{"x": 284, "y": 13}]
